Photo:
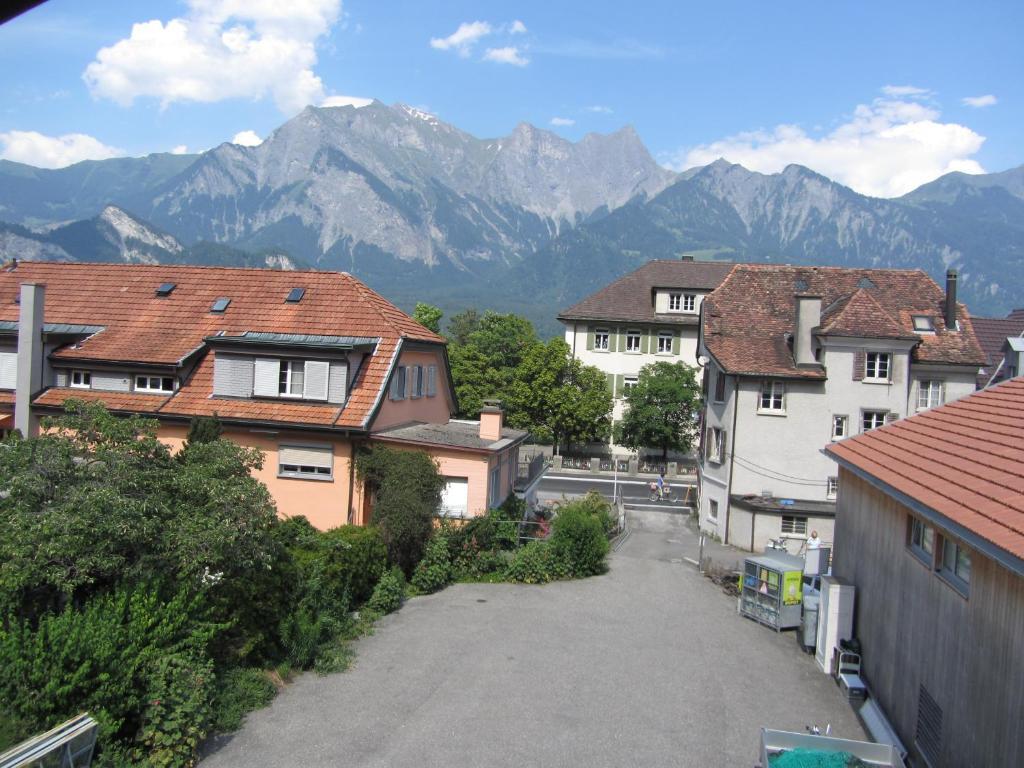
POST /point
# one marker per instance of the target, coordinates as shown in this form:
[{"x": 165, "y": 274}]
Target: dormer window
[
  {"x": 292, "y": 378},
  {"x": 675, "y": 302},
  {"x": 923, "y": 324},
  {"x": 81, "y": 379},
  {"x": 878, "y": 366},
  {"x": 153, "y": 383},
  {"x": 689, "y": 302}
]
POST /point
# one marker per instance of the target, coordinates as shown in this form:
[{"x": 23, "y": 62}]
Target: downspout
[
  {"x": 351, "y": 477},
  {"x": 574, "y": 339},
  {"x": 732, "y": 458}
]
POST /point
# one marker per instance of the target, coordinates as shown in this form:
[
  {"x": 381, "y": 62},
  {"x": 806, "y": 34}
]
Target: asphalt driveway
[{"x": 648, "y": 665}]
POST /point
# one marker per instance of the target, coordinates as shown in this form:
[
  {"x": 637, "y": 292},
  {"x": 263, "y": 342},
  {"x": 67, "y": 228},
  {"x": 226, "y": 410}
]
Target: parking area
[{"x": 649, "y": 665}]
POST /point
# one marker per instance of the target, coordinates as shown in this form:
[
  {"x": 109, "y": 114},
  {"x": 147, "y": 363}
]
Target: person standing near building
[{"x": 813, "y": 542}]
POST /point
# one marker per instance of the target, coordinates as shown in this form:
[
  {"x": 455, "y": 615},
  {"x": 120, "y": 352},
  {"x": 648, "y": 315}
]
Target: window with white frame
[
  {"x": 715, "y": 444},
  {"x": 675, "y": 302},
  {"x": 840, "y": 427},
  {"x": 689, "y": 302},
  {"x": 877, "y": 366},
  {"x": 665, "y": 342},
  {"x": 601, "y": 337},
  {"x": 872, "y": 420},
  {"x": 923, "y": 323},
  {"x": 930, "y": 393},
  {"x": 956, "y": 564},
  {"x": 305, "y": 461},
  {"x": 292, "y": 378},
  {"x": 628, "y": 382},
  {"x": 831, "y": 487},
  {"x": 773, "y": 396},
  {"x": 712, "y": 510},
  {"x": 154, "y": 383},
  {"x": 632, "y": 341},
  {"x": 794, "y": 525},
  {"x": 921, "y": 540},
  {"x": 80, "y": 379}
]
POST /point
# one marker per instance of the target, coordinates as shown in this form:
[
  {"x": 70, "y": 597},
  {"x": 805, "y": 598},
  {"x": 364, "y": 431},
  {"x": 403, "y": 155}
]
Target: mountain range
[{"x": 529, "y": 222}]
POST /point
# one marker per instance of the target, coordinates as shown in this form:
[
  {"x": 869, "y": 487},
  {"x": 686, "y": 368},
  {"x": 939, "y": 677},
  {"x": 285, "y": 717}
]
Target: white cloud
[
  {"x": 220, "y": 49},
  {"x": 905, "y": 91},
  {"x": 346, "y": 101},
  {"x": 987, "y": 100},
  {"x": 599, "y": 109},
  {"x": 247, "y": 139},
  {"x": 507, "y": 55},
  {"x": 462, "y": 39},
  {"x": 517, "y": 28},
  {"x": 885, "y": 149},
  {"x": 53, "y": 151},
  {"x": 562, "y": 121},
  {"x": 181, "y": 149}
]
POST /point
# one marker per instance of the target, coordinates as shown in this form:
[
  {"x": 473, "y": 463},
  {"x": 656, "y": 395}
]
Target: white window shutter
[
  {"x": 8, "y": 370},
  {"x": 267, "y": 377},
  {"x": 317, "y": 375}
]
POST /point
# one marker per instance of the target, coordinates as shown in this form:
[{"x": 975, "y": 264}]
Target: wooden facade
[{"x": 916, "y": 631}]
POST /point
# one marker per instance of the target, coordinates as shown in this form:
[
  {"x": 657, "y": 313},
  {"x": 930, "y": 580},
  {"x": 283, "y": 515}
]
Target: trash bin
[{"x": 809, "y": 622}]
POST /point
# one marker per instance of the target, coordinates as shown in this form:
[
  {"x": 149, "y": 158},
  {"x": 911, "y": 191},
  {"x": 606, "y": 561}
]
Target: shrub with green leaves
[
  {"x": 536, "y": 563},
  {"x": 177, "y": 710},
  {"x": 238, "y": 692},
  {"x": 578, "y": 541},
  {"x": 434, "y": 571},
  {"x": 389, "y": 592}
]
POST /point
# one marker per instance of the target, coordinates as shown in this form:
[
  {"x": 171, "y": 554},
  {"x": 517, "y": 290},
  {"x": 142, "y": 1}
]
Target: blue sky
[{"x": 872, "y": 94}]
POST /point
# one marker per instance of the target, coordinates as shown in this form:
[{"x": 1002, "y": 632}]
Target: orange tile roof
[
  {"x": 748, "y": 317},
  {"x": 136, "y": 402},
  {"x": 140, "y": 327},
  {"x": 963, "y": 460},
  {"x": 7, "y": 397}
]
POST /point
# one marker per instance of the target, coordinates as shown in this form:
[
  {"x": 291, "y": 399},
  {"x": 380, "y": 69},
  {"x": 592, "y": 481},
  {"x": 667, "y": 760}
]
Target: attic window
[
  {"x": 165, "y": 289},
  {"x": 923, "y": 323},
  {"x": 295, "y": 295},
  {"x": 865, "y": 282},
  {"x": 220, "y": 305},
  {"x": 800, "y": 285}
]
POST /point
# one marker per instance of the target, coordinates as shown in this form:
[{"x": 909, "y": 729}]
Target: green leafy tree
[
  {"x": 428, "y": 316},
  {"x": 661, "y": 409},
  {"x": 204, "y": 429},
  {"x": 559, "y": 399},
  {"x": 462, "y": 325},
  {"x": 475, "y": 380},
  {"x": 406, "y": 488},
  {"x": 503, "y": 340}
]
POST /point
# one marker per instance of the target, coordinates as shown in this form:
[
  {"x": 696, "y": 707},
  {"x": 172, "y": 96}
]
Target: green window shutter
[
  {"x": 675, "y": 343},
  {"x": 611, "y": 382},
  {"x": 645, "y": 345},
  {"x": 590, "y": 338},
  {"x": 620, "y": 340},
  {"x": 620, "y": 388}
]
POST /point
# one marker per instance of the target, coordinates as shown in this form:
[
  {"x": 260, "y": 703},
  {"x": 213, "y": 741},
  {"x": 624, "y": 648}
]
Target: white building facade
[
  {"x": 650, "y": 315},
  {"x": 797, "y": 358}
]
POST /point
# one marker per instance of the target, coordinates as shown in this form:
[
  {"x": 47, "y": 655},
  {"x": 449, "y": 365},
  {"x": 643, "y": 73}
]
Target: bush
[
  {"x": 434, "y": 571},
  {"x": 389, "y": 592},
  {"x": 356, "y": 559},
  {"x": 177, "y": 710},
  {"x": 406, "y": 486},
  {"x": 595, "y": 504},
  {"x": 238, "y": 692},
  {"x": 536, "y": 563},
  {"x": 578, "y": 541}
]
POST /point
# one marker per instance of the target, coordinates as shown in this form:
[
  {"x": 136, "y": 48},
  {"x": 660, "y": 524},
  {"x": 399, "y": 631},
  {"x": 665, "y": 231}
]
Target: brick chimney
[
  {"x": 492, "y": 419},
  {"x": 808, "y": 317},
  {"x": 30, "y": 357}
]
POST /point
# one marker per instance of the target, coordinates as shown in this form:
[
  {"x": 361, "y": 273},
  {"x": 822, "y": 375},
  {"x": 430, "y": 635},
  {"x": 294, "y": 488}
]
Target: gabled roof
[
  {"x": 964, "y": 461},
  {"x": 750, "y": 318},
  {"x": 992, "y": 335},
  {"x": 138, "y": 327},
  {"x": 630, "y": 298}
]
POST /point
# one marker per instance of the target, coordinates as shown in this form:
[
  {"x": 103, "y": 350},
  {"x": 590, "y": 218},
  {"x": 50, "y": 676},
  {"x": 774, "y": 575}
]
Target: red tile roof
[
  {"x": 963, "y": 460},
  {"x": 140, "y": 327},
  {"x": 750, "y": 316},
  {"x": 631, "y": 298}
]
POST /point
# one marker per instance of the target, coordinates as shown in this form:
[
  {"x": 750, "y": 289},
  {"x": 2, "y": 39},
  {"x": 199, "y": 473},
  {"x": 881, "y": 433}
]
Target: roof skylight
[
  {"x": 923, "y": 323},
  {"x": 220, "y": 305},
  {"x": 165, "y": 289},
  {"x": 295, "y": 295}
]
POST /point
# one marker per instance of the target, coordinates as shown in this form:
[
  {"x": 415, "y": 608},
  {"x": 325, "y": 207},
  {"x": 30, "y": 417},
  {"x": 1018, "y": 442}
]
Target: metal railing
[
  {"x": 69, "y": 745},
  {"x": 528, "y": 470}
]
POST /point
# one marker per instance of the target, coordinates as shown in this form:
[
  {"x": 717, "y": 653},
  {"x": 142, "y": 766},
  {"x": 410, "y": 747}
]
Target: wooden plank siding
[{"x": 917, "y": 630}]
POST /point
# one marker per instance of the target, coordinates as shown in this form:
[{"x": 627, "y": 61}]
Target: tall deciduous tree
[
  {"x": 661, "y": 409},
  {"x": 428, "y": 316},
  {"x": 557, "y": 398},
  {"x": 462, "y": 325}
]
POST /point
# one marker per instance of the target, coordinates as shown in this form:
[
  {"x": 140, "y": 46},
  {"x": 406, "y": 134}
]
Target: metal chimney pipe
[{"x": 950, "y": 316}]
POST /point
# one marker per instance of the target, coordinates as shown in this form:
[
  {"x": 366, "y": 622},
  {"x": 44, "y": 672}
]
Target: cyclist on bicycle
[{"x": 663, "y": 488}]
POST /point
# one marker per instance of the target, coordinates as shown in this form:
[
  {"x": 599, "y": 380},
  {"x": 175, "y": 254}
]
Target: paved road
[
  {"x": 634, "y": 492},
  {"x": 648, "y": 665}
]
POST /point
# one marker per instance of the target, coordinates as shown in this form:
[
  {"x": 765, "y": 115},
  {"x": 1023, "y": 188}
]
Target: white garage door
[{"x": 455, "y": 497}]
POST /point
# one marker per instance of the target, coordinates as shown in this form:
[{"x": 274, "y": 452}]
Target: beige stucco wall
[
  {"x": 430, "y": 410},
  {"x": 323, "y": 502}
]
